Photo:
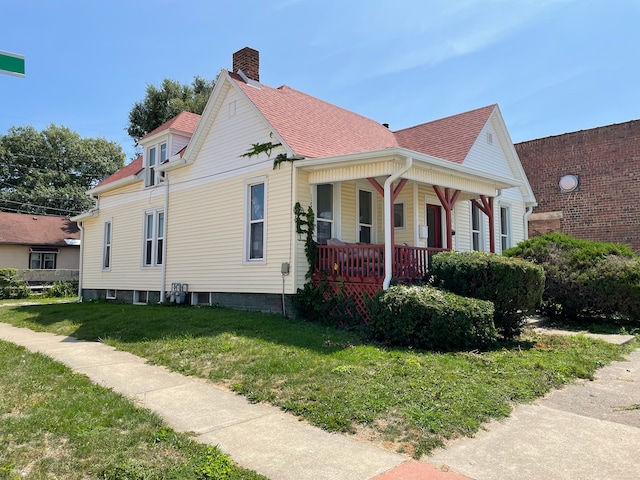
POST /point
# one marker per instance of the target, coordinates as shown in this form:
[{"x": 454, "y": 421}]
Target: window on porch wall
[
  {"x": 476, "y": 228},
  {"x": 324, "y": 207},
  {"x": 505, "y": 228},
  {"x": 365, "y": 216}
]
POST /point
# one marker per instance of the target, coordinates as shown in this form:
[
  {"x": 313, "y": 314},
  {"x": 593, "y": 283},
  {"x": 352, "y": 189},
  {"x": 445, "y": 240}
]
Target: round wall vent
[{"x": 568, "y": 183}]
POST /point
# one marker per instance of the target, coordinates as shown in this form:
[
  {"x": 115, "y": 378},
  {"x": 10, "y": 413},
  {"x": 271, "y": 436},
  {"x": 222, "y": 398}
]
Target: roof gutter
[
  {"x": 388, "y": 237},
  {"x": 112, "y": 185}
]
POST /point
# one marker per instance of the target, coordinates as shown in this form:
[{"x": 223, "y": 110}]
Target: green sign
[{"x": 12, "y": 64}]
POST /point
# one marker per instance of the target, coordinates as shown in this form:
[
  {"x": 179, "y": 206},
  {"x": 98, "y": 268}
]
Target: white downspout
[
  {"x": 388, "y": 247},
  {"x": 81, "y": 261},
  {"x": 527, "y": 212},
  {"x": 163, "y": 274}
]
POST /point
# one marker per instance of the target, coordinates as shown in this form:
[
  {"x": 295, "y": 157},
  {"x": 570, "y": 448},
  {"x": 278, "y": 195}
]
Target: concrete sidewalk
[
  {"x": 588, "y": 430},
  {"x": 256, "y": 436}
]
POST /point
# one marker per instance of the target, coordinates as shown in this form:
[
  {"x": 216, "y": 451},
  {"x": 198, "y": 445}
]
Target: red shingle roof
[
  {"x": 185, "y": 122},
  {"x": 314, "y": 128},
  {"x": 133, "y": 168},
  {"x": 449, "y": 138},
  {"x": 23, "y": 229}
]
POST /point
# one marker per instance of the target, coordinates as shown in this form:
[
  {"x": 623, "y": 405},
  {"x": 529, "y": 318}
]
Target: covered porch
[{"x": 381, "y": 216}]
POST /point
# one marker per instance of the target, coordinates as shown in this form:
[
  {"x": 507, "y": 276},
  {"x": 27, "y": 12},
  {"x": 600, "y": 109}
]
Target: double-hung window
[
  {"x": 43, "y": 258},
  {"x": 324, "y": 207},
  {"x": 256, "y": 221},
  {"x": 505, "y": 227},
  {"x": 365, "y": 216},
  {"x": 106, "y": 246},
  {"x": 153, "y": 238},
  {"x": 156, "y": 156},
  {"x": 398, "y": 215},
  {"x": 476, "y": 227}
]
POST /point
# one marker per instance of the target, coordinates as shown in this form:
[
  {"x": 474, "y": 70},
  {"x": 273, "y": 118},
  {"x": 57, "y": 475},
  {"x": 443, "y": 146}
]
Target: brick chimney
[{"x": 247, "y": 60}]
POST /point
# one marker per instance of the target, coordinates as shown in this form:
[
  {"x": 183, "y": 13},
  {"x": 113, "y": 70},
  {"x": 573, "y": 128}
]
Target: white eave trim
[
  {"x": 94, "y": 212},
  {"x": 174, "y": 162},
  {"x": 122, "y": 182},
  {"x": 421, "y": 161}
]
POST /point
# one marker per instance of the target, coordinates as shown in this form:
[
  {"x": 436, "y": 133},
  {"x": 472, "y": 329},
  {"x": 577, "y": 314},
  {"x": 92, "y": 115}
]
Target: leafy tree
[
  {"x": 47, "y": 172},
  {"x": 162, "y": 104}
]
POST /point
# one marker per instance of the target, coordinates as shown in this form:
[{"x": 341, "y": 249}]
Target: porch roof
[{"x": 426, "y": 169}]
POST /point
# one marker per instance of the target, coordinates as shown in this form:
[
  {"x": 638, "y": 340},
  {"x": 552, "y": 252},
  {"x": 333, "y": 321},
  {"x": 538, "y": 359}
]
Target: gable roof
[
  {"x": 129, "y": 170},
  {"x": 448, "y": 138},
  {"x": 25, "y": 229},
  {"x": 184, "y": 122},
  {"x": 312, "y": 127}
]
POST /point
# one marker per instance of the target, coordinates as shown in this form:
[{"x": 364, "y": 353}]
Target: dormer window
[{"x": 156, "y": 155}]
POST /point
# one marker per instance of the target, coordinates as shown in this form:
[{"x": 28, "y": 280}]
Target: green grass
[
  {"x": 57, "y": 424},
  {"x": 406, "y": 400}
]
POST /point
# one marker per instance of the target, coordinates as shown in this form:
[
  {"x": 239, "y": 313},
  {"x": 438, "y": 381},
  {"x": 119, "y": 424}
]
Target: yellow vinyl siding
[
  {"x": 207, "y": 234},
  {"x": 126, "y": 271}
]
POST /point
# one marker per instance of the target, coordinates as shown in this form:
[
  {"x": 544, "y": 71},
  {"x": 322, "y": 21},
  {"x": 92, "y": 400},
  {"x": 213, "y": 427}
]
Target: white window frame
[
  {"x": 160, "y": 154},
  {"x": 44, "y": 256},
  {"x": 479, "y": 232},
  {"x": 335, "y": 210},
  {"x": 107, "y": 244},
  {"x": 153, "y": 240},
  {"x": 403, "y": 206},
  {"x": 140, "y": 297},
  {"x": 505, "y": 229},
  {"x": 111, "y": 294},
  {"x": 359, "y": 224},
  {"x": 250, "y": 222}
]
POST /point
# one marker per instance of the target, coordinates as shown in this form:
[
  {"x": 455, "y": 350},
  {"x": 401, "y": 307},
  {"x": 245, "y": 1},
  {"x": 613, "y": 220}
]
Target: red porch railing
[
  {"x": 357, "y": 271},
  {"x": 365, "y": 263}
]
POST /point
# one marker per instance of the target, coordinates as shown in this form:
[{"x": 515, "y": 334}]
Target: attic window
[{"x": 489, "y": 138}]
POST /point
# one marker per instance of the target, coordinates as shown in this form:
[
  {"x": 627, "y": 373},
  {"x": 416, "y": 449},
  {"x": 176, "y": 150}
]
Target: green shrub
[
  {"x": 11, "y": 286},
  {"x": 428, "y": 318},
  {"x": 319, "y": 303},
  {"x": 514, "y": 286},
  {"x": 584, "y": 279},
  {"x": 60, "y": 289}
]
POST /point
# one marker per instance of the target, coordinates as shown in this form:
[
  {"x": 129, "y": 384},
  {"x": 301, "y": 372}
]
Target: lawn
[
  {"x": 405, "y": 400},
  {"x": 57, "y": 424}
]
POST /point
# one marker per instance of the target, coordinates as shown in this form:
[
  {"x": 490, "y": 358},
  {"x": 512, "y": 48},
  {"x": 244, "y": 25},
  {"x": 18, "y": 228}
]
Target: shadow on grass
[{"x": 96, "y": 321}]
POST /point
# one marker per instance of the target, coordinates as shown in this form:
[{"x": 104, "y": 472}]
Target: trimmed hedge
[
  {"x": 427, "y": 318},
  {"x": 585, "y": 279},
  {"x": 11, "y": 286},
  {"x": 513, "y": 285}
]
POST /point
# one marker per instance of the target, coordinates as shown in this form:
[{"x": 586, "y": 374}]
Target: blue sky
[{"x": 553, "y": 66}]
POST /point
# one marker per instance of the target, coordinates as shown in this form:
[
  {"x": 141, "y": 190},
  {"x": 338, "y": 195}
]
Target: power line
[{"x": 39, "y": 206}]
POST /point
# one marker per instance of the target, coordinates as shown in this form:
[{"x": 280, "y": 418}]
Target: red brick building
[{"x": 587, "y": 183}]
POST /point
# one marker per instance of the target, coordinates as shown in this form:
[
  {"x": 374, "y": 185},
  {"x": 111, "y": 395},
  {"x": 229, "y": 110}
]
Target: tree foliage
[
  {"x": 47, "y": 172},
  {"x": 163, "y": 103}
]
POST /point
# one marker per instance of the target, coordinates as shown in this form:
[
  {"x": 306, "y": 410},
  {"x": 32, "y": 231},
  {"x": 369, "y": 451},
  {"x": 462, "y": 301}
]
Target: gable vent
[{"x": 489, "y": 138}]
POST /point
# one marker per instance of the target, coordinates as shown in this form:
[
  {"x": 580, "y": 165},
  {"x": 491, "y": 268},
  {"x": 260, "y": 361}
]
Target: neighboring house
[
  {"x": 194, "y": 214},
  {"x": 587, "y": 183},
  {"x": 43, "y": 248}
]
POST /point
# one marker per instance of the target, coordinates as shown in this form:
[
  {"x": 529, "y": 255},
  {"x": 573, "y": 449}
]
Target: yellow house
[{"x": 203, "y": 216}]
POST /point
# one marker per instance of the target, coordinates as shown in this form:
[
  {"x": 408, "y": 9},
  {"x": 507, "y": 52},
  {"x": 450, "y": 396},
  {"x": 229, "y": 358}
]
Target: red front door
[{"x": 434, "y": 224}]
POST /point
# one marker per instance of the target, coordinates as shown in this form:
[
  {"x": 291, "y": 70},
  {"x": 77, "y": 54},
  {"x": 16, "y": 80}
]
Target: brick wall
[{"x": 606, "y": 204}]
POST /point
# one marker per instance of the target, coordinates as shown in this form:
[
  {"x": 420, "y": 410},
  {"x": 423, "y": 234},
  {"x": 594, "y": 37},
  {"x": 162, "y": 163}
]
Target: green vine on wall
[
  {"x": 305, "y": 225},
  {"x": 266, "y": 147}
]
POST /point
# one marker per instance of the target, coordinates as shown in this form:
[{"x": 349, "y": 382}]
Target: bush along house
[{"x": 214, "y": 210}]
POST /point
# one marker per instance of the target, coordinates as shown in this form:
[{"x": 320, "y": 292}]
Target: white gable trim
[{"x": 223, "y": 83}]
